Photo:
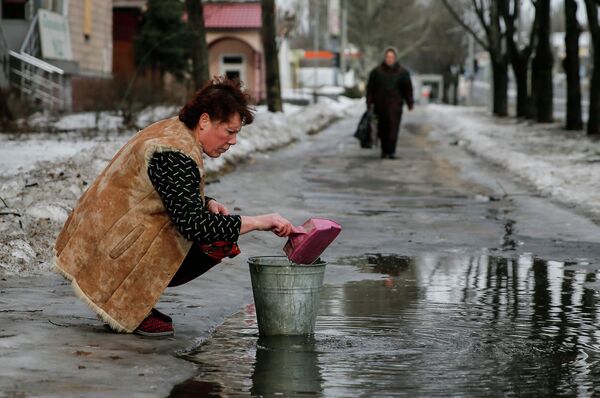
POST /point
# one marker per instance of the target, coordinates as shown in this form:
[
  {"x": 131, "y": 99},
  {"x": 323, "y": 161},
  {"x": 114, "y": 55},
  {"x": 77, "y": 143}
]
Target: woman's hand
[
  {"x": 217, "y": 208},
  {"x": 267, "y": 222},
  {"x": 279, "y": 225}
]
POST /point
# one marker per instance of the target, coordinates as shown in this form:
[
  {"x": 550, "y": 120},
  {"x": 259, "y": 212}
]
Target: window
[
  {"x": 233, "y": 74},
  {"x": 26, "y": 9},
  {"x": 56, "y": 6},
  {"x": 232, "y": 66},
  {"x": 233, "y": 59},
  {"x": 13, "y": 9}
]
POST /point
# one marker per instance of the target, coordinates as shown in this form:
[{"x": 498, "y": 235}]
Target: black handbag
[{"x": 366, "y": 131}]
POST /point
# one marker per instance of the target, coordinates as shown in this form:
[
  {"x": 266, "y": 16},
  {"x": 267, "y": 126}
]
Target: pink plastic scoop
[{"x": 310, "y": 240}]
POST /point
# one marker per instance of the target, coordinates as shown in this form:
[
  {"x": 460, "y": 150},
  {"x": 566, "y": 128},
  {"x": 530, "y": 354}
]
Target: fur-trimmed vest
[{"x": 119, "y": 247}]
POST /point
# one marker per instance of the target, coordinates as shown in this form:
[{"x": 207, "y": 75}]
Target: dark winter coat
[{"x": 388, "y": 88}]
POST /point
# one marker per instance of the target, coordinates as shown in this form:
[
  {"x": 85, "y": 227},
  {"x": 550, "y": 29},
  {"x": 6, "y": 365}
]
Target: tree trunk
[
  {"x": 532, "y": 103},
  {"x": 519, "y": 58},
  {"x": 447, "y": 76},
  {"x": 500, "y": 86},
  {"x": 198, "y": 46},
  {"x": 271, "y": 58},
  {"x": 6, "y": 116},
  {"x": 455, "y": 90},
  {"x": 520, "y": 66},
  {"x": 499, "y": 60},
  {"x": 542, "y": 65},
  {"x": 571, "y": 67},
  {"x": 593, "y": 124}
]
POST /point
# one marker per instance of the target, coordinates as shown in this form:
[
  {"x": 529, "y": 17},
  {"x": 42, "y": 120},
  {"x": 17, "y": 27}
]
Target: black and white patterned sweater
[{"x": 176, "y": 178}]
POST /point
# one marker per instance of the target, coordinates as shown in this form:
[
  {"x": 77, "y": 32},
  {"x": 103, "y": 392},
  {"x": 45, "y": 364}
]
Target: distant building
[
  {"x": 127, "y": 20},
  {"x": 53, "y": 50},
  {"x": 50, "y": 47},
  {"x": 315, "y": 69},
  {"x": 233, "y": 35}
]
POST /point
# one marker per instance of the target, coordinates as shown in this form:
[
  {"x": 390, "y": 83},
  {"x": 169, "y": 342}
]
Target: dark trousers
[
  {"x": 388, "y": 126},
  {"x": 195, "y": 264}
]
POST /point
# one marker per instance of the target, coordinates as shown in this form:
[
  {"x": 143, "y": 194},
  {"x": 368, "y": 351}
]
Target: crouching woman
[{"x": 144, "y": 224}]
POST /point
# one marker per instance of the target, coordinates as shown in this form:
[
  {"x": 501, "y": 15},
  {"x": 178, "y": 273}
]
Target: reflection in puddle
[
  {"x": 194, "y": 389},
  {"x": 434, "y": 325},
  {"x": 381, "y": 263},
  {"x": 286, "y": 364}
]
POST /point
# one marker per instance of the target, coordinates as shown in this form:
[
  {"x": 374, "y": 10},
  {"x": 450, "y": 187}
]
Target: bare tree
[
  {"x": 269, "y": 31},
  {"x": 444, "y": 52},
  {"x": 363, "y": 31},
  {"x": 376, "y": 24},
  {"x": 593, "y": 124},
  {"x": 543, "y": 61},
  {"x": 489, "y": 13},
  {"x": 571, "y": 66},
  {"x": 519, "y": 56},
  {"x": 198, "y": 46},
  {"x": 428, "y": 39}
]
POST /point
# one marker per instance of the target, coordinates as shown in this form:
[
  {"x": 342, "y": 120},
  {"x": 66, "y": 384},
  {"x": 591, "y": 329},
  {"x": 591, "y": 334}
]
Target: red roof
[{"x": 232, "y": 15}]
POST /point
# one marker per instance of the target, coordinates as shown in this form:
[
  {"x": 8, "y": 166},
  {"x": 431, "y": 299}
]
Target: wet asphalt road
[
  {"x": 470, "y": 283},
  {"x": 435, "y": 212},
  {"x": 434, "y": 198}
]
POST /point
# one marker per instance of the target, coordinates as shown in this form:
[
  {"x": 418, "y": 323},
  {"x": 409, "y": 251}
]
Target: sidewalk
[{"x": 563, "y": 165}]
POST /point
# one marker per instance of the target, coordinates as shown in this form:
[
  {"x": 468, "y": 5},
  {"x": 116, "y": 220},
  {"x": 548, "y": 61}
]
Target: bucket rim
[{"x": 255, "y": 260}]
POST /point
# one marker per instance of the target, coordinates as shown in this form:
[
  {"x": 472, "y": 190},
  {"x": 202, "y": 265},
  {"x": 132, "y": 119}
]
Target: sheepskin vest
[{"x": 118, "y": 246}]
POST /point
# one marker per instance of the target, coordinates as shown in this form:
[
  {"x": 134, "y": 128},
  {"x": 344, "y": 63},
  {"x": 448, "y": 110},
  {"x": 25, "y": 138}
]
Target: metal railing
[
  {"x": 36, "y": 80},
  {"x": 31, "y": 44}
]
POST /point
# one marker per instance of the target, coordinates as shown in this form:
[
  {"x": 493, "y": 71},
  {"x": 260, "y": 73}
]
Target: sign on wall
[{"x": 54, "y": 36}]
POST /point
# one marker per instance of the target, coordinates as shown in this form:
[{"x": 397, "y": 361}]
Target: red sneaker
[
  {"x": 161, "y": 316},
  {"x": 155, "y": 324}
]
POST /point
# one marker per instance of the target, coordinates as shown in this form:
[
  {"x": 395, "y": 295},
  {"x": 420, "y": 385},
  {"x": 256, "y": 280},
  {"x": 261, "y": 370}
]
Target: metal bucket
[{"x": 286, "y": 295}]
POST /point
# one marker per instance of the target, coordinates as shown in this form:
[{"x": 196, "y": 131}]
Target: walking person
[
  {"x": 389, "y": 87},
  {"x": 144, "y": 224}
]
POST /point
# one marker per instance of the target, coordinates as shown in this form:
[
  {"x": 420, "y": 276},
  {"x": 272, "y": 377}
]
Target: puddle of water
[
  {"x": 436, "y": 325},
  {"x": 508, "y": 240},
  {"x": 196, "y": 388}
]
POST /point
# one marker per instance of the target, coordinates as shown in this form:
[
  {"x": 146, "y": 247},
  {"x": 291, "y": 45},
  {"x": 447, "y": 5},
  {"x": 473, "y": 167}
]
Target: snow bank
[
  {"x": 273, "y": 130},
  {"x": 43, "y": 175},
  {"x": 562, "y": 164}
]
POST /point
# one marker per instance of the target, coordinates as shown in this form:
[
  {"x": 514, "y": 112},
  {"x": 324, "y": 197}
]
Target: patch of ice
[
  {"x": 21, "y": 250},
  {"x": 89, "y": 120},
  {"x": 155, "y": 113},
  {"x": 558, "y": 163},
  {"x": 20, "y": 156},
  {"x": 51, "y": 211}
]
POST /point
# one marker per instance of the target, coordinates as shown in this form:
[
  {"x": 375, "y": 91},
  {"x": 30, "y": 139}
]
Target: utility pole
[
  {"x": 316, "y": 49},
  {"x": 269, "y": 33},
  {"x": 471, "y": 61},
  {"x": 343, "y": 40}
]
